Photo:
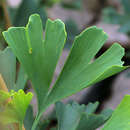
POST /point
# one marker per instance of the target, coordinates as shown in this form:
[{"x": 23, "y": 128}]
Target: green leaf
[
  {"x": 69, "y": 115},
  {"x": 75, "y": 117},
  {"x": 8, "y": 71},
  {"x": 8, "y": 67},
  {"x": 2, "y": 41},
  {"x": 72, "y": 30},
  {"x": 120, "y": 119},
  {"x": 78, "y": 72},
  {"x": 93, "y": 121},
  {"x": 44, "y": 53},
  {"x": 21, "y": 79},
  {"x": 28, "y": 121},
  {"x": 91, "y": 107},
  {"x": 14, "y": 111}
]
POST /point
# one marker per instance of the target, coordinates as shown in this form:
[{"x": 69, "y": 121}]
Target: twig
[
  {"x": 6, "y": 14},
  {"x": 2, "y": 84}
]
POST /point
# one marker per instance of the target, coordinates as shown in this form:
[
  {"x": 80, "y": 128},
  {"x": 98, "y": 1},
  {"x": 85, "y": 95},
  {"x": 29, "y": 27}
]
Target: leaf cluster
[
  {"x": 78, "y": 72},
  {"x": 39, "y": 56}
]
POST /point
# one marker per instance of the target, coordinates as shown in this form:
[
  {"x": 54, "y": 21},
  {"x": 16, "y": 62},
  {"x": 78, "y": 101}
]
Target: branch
[{"x": 6, "y": 14}]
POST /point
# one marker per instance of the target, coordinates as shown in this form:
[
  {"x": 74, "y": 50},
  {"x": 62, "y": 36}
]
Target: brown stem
[
  {"x": 6, "y": 14},
  {"x": 16, "y": 126},
  {"x": 2, "y": 84}
]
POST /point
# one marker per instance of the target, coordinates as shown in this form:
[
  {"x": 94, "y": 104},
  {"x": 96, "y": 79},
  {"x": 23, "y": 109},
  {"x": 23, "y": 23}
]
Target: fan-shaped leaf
[
  {"x": 15, "y": 109},
  {"x": 8, "y": 67},
  {"x": 75, "y": 117},
  {"x": 8, "y": 71},
  {"x": 120, "y": 119}
]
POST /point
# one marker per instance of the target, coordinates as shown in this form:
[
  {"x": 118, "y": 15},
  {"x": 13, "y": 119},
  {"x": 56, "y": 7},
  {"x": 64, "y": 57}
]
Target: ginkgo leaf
[
  {"x": 15, "y": 110},
  {"x": 79, "y": 72},
  {"x": 8, "y": 67},
  {"x": 34, "y": 51},
  {"x": 120, "y": 119},
  {"x": 75, "y": 117},
  {"x": 39, "y": 58},
  {"x": 21, "y": 79},
  {"x": 91, "y": 107},
  {"x": 29, "y": 118},
  {"x": 8, "y": 71}
]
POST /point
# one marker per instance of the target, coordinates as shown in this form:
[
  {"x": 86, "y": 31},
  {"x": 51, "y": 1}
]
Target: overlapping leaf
[
  {"x": 1, "y": 39},
  {"x": 120, "y": 119},
  {"x": 39, "y": 58},
  {"x": 8, "y": 70},
  {"x": 72, "y": 30},
  {"x": 15, "y": 109},
  {"x": 8, "y": 67},
  {"x": 77, "y": 117},
  {"x": 28, "y": 121},
  {"x": 21, "y": 79}
]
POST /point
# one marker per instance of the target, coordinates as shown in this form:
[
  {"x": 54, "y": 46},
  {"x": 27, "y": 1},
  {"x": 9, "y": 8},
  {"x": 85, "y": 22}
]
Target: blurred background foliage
[{"x": 122, "y": 17}]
